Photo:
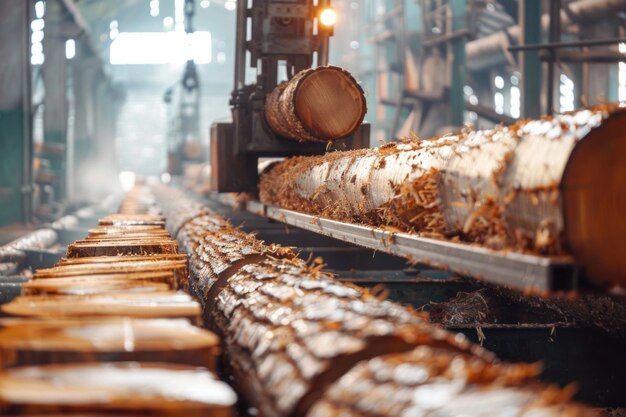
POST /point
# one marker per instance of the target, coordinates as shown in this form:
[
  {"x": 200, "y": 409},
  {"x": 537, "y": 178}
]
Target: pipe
[{"x": 490, "y": 51}]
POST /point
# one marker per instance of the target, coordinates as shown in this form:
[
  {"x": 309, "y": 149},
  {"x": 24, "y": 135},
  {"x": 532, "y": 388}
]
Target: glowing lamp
[{"x": 328, "y": 17}]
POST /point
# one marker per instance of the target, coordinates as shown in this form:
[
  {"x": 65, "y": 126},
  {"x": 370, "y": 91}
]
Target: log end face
[
  {"x": 594, "y": 202},
  {"x": 330, "y": 103}
]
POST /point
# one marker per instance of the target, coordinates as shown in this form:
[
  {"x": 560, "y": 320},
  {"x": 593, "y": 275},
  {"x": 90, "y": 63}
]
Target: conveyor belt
[{"x": 511, "y": 269}]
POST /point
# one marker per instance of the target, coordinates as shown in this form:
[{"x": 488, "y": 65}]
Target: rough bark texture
[
  {"x": 294, "y": 335},
  {"x": 321, "y": 104},
  {"x": 436, "y": 382},
  {"x": 506, "y": 188},
  {"x": 290, "y": 332}
]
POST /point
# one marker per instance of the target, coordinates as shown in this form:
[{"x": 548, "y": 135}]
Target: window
[{"x": 136, "y": 48}]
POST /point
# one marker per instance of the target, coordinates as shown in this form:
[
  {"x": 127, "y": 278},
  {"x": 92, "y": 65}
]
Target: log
[
  {"x": 430, "y": 381},
  {"x": 524, "y": 187},
  {"x": 12, "y": 255},
  {"x": 290, "y": 332},
  {"x": 167, "y": 304},
  {"x": 117, "y": 388},
  {"x": 39, "y": 342},
  {"x": 320, "y": 104},
  {"x": 293, "y": 335}
]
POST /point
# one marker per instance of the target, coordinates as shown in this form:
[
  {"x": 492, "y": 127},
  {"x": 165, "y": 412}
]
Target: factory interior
[{"x": 311, "y": 208}]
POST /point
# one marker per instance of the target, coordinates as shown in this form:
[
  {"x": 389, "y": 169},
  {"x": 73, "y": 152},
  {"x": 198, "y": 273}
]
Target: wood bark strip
[
  {"x": 520, "y": 187},
  {"x": 40, "y": 342},
  {"x": 290, "y": 332},
  {"x": 317, "y": 104}
]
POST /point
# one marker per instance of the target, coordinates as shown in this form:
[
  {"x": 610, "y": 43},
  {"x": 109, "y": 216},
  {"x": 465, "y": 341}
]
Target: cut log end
[
  {"x": 321, "y": 104},
  {"x": 594, "y": 201},
  {"x": 329, "y": 103}
]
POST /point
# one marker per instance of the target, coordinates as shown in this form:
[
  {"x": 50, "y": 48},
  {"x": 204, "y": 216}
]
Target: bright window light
[
  {"x": 37, "y": 24},
  {"x": 179, "y": 15},
  {"x": 621, "y": 81},
  {"x": 37, "y": 59},
  {"x": 515, "y": 101},
  {"x": 567, "y": 97},
  {"x": 70, "y": 49},
  {"x": 140, "y": 48},
  {"x": 498, "y": 100},
  {"x": 499, "y": 82},
  {"x": 205, "y": 3},
  {"x": 127, "y": 180},
  {"x": 230, "y": 5},
  {"x": 40, "y": 9},
  {"x": 37, "y": 37}
]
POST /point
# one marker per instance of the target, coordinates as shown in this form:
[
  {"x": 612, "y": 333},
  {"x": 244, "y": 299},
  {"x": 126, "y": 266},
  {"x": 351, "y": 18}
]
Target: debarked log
[{"x": 545, "y": 186}]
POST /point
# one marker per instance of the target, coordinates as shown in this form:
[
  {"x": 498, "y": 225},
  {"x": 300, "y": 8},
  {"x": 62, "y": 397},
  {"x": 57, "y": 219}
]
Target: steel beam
[
  {"x": 85, "y": 73},
  {"x": 514, "y": 270},
  {"x": 491, "y": 50},
  {"x": 529, "y": 63},
  {"x": 457, "y": 72},
  {"x": 55, "y": 101},
  {"x": 15, "y": 113}
]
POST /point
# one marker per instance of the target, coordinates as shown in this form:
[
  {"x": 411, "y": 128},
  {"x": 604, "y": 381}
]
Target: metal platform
[{"x": 514, "y": 270}]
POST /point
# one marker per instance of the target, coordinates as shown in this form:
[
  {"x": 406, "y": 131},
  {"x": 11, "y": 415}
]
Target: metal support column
[
  {"x": 85, "y": 73},
  {"x": 529, "y": 63},
  {"x": 15, "y": 113},
  {"x": 55, "y": 102},
  {"x": 457, "y": 72},
  {"x": 554, "y": 37}
]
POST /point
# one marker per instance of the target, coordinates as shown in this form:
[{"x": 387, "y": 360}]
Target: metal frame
[{"x": 510, "y": 269}]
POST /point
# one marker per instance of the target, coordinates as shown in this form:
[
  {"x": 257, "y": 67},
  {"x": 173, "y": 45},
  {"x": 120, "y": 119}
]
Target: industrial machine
[
  {"x": 274, "y": 41},
  {"x": 183, "y": 130}
]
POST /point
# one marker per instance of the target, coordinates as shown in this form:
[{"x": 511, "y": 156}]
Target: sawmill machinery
[
  {"x": 183, "y": 130},
  {"x": 275, "y": 40}
]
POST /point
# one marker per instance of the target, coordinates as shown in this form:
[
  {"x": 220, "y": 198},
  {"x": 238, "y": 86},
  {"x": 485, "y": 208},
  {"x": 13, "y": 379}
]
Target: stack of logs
[
  {"x": 108, "y": 329},
  {"x": 547, "y": 186},
  {"x": 300, "y": 343}
]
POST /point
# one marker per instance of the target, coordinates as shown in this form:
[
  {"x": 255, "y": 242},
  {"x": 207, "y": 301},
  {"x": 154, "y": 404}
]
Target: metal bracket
[{"x": 511, "y": 269}]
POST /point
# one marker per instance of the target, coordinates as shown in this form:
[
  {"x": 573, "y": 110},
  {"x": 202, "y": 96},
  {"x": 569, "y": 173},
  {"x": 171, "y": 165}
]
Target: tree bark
[{"x": 320, "y": 104}]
